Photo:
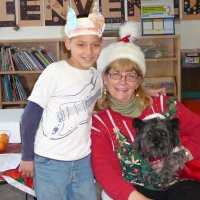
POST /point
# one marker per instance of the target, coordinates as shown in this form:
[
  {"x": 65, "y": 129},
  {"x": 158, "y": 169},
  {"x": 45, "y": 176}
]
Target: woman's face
[{"x": 121, "y": 85}]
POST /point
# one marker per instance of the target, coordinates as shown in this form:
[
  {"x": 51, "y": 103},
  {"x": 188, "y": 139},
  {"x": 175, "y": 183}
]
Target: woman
[{"x": 123, "y": 68}]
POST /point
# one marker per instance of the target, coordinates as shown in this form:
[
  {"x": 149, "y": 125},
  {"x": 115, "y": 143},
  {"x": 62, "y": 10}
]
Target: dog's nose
[{"x": 157, "y": 142}]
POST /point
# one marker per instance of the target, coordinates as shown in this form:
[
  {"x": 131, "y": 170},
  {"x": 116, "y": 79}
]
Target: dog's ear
[
  {"x": 138, "y": 123},
  {"x": 174, "y": 123}
]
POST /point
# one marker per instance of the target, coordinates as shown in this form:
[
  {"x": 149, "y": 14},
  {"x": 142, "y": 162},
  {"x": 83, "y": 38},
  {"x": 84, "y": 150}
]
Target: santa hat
[
  {"x": 94, "y": 24},
  {"x": 128, "y": 32}
]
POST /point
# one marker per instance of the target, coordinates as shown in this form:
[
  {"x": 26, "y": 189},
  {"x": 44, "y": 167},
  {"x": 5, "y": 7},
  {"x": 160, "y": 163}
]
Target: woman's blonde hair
[{"x": 126, "y": 65}]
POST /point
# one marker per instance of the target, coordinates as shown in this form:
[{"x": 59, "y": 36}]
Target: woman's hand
[
  {"x": 27, "y": 168},
  {"x": 155, "y": 92},
  {"x": 135, "y": 195}
]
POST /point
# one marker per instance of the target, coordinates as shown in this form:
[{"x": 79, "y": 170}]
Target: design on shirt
[{"x": 72, "y": 115}]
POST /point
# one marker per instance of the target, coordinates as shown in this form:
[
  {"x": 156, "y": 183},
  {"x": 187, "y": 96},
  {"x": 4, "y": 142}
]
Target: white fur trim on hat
[
  {"x": 131, "y": 28},
  {"x": 154, "y": 115},
  {"x": 126, "y": 50},
  {"x": 120, "y": 50}
]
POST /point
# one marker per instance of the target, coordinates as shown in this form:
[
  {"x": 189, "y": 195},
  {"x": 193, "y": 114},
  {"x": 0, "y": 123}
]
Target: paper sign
[
  {"x": 9, "y": 161},
  {"x": 10, "y": 123},
  {"x": 157, "y": 8}
]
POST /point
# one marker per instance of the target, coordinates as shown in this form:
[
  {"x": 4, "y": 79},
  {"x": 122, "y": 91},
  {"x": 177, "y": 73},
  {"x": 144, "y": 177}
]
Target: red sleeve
[
  {"x": 105, "y": 164},
  {"x": 189, "y": 129}
]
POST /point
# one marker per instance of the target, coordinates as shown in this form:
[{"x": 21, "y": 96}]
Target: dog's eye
[{"x": 164, "y": 133}]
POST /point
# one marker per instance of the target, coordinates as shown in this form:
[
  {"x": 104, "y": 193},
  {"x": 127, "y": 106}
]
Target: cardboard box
[{"x": 10, "y": 123}]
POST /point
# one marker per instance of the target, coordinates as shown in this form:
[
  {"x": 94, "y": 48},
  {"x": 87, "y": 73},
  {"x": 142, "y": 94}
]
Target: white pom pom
[{"x": 131, "y": 28}]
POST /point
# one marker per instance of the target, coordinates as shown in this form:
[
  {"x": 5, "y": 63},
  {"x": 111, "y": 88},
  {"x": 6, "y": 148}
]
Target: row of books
[
  {"x": 12, "y": 88},
  {"x": 15, "y": 59}
]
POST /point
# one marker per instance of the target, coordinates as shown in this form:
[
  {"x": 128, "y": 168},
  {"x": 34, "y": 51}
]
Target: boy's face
[{"x": 85, "y": 50}]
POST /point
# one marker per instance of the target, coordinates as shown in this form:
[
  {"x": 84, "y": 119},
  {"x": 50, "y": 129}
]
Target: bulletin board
[
  {"x": 190, "y": 9},
  {"x": 157, "y": 17}
]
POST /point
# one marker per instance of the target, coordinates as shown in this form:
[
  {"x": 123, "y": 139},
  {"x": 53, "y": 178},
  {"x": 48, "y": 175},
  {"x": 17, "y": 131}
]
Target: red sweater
[{"x": 105, "y": 164}]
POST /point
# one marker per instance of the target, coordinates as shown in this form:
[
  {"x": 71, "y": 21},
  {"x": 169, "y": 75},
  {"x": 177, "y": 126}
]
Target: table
[{"x": 14, "y": 177}]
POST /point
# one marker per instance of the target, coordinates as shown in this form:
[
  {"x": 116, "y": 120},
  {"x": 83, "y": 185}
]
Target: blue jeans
[{"x": 64, "y": 180}]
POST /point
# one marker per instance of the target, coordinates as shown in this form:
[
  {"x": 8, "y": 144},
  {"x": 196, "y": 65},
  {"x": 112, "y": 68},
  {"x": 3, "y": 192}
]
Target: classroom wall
[
  {"x": 190, "y": 34},
  {"x": 189, "y": 31}
]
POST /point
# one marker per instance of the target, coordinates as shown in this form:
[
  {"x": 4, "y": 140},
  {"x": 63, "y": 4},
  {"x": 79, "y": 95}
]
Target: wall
[
  {"x": 190, "y": 34},
  {"x": 189, "y": 31}
]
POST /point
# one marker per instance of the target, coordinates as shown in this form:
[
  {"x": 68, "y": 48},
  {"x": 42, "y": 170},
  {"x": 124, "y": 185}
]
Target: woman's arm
[{"x": 105, "y": 164}]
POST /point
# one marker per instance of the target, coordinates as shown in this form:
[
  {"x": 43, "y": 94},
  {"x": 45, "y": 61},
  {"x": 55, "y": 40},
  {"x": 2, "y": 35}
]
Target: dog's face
[{"x": 156, "y": 138}]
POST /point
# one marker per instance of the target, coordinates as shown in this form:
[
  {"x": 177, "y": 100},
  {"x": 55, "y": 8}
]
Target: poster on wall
[
  {"x": 134, "y": 6},
  {"x": 31, "y": 13},
  {"x": 157, "y": 8},
  {"x": 190, "y": 9},
  {"x": 157, "y": 17},
  {"x": 7, "y": 13}
]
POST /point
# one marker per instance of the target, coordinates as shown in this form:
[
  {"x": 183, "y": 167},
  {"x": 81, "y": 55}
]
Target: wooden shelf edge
[
  {"x": 13, "y": 102},
  {"x": 22, "y": 72},
  {"x": 168, "y": 59}
]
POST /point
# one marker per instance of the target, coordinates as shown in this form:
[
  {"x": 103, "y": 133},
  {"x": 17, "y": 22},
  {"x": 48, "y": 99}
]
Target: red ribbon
[{"x": 126, "y": 39}]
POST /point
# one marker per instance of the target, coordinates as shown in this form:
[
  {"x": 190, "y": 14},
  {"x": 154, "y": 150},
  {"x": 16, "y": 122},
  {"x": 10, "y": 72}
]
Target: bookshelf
[
  {"x": 163, "y": 60},
  {"x": 162, "y": 54},
  {"x": 27, "y": 77}
]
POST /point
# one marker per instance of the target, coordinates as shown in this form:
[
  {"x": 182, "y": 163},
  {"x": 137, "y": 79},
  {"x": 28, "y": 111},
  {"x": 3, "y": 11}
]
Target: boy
[{"x": 57, "y": 119}]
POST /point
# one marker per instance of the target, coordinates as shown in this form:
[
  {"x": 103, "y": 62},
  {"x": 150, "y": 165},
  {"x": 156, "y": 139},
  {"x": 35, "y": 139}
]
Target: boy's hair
[{"x": 84, "y": 24}]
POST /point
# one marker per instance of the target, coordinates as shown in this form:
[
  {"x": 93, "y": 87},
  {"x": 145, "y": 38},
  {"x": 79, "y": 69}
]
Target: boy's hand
[
  {"x": 155, "y": 92},
  {"x": 27, "y": 168}
]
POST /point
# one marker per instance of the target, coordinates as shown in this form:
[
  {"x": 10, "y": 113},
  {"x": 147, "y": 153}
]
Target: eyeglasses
[{"x": 128, "y": 77}]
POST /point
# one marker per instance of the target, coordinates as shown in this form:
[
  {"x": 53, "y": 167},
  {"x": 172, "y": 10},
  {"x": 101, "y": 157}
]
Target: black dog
[{"x": 158, "y": 139}]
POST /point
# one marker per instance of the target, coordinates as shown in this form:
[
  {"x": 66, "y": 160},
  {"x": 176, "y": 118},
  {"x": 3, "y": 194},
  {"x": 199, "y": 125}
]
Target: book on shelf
[
  {"x": 18, "y": 65},
  {"x": 30, "y": 60},
  {"x": 12, "y": 67},
  {"x": 5, "y": 57},
  {"x": 37, "y": 63},
  {"x": 8, "y": 95},
  {"x": 23, "y": 60},
  {"x": 12, "y": 58},
  {"x": 48, "y": 55},
  {"x": 13, "y": 89},
  {"x": 37, "y": 57}
]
